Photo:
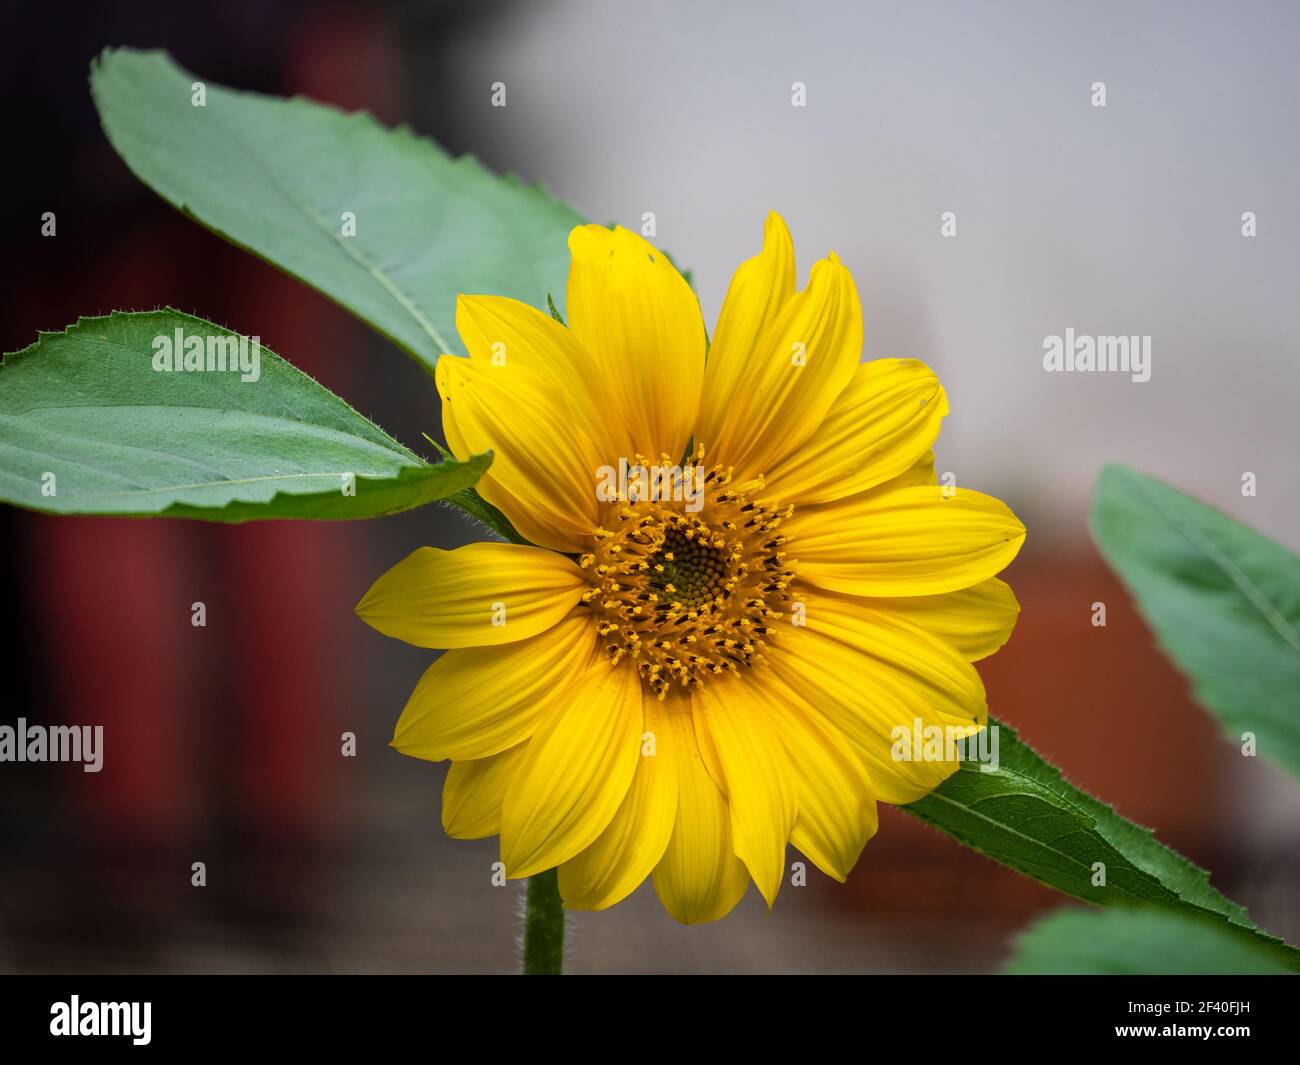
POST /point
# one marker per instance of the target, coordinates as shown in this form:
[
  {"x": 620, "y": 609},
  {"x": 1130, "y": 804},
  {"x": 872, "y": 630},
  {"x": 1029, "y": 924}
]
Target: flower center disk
[{"x": 684, "y": 595}]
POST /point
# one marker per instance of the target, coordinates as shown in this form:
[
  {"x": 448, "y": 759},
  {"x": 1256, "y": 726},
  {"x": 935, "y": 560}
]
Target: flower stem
[{"x": 543, "y": 926}]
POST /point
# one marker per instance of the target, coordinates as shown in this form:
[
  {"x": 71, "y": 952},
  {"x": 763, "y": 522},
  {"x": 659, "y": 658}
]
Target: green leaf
[
  {"x": 86, "y": 414},
  {"x": 1224, "y": 602},
  {"x": 276, "y": 177},
  {"x": 1134, "y": 942},
  {"x": 1024, "y": 814}
]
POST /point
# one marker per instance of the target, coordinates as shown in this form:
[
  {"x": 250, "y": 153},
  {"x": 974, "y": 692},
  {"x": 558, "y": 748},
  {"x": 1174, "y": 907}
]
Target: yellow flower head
[{"x": 746, "y": 582}]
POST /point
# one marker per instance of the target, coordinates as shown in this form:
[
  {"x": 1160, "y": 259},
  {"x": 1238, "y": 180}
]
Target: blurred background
[{"x": 223, "y": 742}]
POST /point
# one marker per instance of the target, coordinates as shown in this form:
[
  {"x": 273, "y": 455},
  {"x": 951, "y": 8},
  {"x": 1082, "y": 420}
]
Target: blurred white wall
[{"x": 1122, "y": 220}]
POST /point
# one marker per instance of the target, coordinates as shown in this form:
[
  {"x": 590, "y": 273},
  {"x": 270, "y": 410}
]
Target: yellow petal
[
  {"x": 634, "y": 841},
  {"x": 837, "y": 811},
  {"x": 760, "y": 792},
  {"x": 880, "y": 426},
  {"x": 976, "y": 620},
  {"x": 759, "y": 289},
  {"x": 699, "y": 878},
  {"x": 911, "y": 541},
  {"x": 579, "y": 765},
  {"x": 544, "y": 473},
  {"x": 709, "y": 754},
  {"x": 499, "y": 332},
  {"x": 921, "y": 473},
  {"x": 473, "y": 791},
  {"x": 803, "y": 360},
  {"x": 870, "y": 673},
  {"x": 634, "y": 312},
  {"x": 475, "y": 596},
  {"x": 476, "y": 701}
]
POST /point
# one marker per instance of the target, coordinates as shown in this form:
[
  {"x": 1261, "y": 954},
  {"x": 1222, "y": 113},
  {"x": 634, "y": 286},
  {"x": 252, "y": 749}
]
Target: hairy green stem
[{"x": 543, "y": 926}]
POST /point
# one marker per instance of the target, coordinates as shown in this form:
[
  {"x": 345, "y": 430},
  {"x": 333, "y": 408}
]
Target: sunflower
[{"x": 682, "y": 672}]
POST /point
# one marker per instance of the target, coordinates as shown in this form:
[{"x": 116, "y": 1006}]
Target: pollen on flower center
[{"x": 684, "y": 595}]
